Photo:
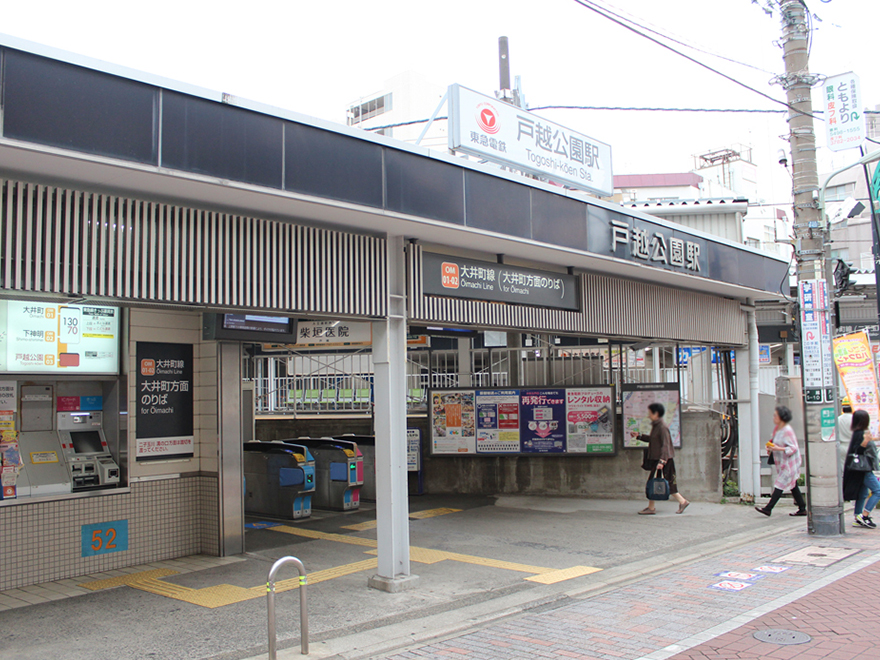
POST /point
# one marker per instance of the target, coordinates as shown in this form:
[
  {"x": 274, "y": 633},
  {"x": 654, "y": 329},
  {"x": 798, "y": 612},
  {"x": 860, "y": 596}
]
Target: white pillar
[
  {"x": 747, "y": 388},
  {"x": 465, "y": 363},
  {"x": 389, "y": 397},
  {"x": 655, "y": 358}
]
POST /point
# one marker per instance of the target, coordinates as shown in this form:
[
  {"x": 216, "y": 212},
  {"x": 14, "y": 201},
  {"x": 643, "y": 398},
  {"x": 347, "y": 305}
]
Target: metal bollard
[{"x": 303, "y": 612}]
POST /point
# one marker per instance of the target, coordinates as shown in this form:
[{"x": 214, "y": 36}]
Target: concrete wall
[{"x": 698, "y": 464}]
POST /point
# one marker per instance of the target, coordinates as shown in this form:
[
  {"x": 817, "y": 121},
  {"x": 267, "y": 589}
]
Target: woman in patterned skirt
[{"x": 787, "y": 460}]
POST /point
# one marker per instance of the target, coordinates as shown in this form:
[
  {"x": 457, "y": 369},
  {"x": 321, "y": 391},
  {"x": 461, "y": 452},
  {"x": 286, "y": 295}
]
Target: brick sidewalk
[
  {"x": 841, "y": 619},
  {"x": 686, "y": 614}
]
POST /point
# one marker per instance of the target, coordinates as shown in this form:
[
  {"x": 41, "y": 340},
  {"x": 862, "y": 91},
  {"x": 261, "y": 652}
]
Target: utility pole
[{"x": 824, "y": 495}]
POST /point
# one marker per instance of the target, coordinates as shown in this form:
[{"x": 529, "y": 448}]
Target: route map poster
[
  {"x": 577, "y": 420},
  {"x": 636, "y": 399}
]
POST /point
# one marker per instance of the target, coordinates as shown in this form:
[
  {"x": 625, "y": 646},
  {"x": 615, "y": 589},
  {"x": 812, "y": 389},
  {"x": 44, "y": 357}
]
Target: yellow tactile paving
[
  {"x": 563, "y": 574},
  {"x": 418, "y": 515},
  {"x": 498, "y": 563},
  {"x": 123, "y": 580},
  {"x": 431, "y": 513},
  {"x": 328, "y": 574},
  {"x": 324, "y": 536},
  {"x": 360, "y": 527},
  {"x": 211, "y": 597},
  {"x": 427, "y": 556}
]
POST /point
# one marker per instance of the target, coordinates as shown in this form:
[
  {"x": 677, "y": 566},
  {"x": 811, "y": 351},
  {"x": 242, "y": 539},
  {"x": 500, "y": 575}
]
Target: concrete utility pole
[{"x": 824, "y": 496}]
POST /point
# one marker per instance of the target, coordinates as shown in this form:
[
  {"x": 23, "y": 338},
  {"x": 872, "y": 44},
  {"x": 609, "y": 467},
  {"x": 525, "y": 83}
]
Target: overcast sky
[{"x": 317, "y": 56}]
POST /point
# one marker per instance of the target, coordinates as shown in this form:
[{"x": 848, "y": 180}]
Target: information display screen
[
  {"x": 56, "y": 338},
  {"x": 256, "y": 323}
]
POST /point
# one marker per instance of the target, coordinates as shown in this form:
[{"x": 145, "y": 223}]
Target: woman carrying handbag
[
  {"x": 660, "y": 457},
  {"x": 858, "y": 477},
  {"x": 786, "y": 455}
]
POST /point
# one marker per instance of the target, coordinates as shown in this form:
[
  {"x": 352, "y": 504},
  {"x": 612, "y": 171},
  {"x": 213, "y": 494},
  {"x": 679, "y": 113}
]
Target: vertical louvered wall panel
[{"x": 102, "y": 246}]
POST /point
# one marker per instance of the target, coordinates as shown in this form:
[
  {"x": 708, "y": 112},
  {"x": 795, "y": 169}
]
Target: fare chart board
[
  {"x": 574, "y": 420},
  {"x": 55, "y": 338},
  {"x": 636, "y": 399}
]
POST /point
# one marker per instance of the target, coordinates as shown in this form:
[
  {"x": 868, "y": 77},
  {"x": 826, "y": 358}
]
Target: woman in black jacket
[{"x": 856, "y": 484}]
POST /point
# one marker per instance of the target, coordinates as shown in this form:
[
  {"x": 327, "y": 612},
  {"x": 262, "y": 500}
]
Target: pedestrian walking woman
[
  {"x": 660, "y": 455},
  {"x": 857, "y": 485},
  {"x": 787, "y": 460}
]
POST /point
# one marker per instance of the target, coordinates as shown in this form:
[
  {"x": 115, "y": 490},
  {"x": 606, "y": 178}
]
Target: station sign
[
  {"x": 444, "y": 275},
  {"x": 502, "y": 133},
  {"x": 164, "y": 406}
]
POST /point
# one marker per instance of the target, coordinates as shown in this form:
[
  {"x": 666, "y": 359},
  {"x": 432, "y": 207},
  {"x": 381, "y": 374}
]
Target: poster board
[
  {"x": 559, "y": 421},
  {"x": 636, "y": 398}
]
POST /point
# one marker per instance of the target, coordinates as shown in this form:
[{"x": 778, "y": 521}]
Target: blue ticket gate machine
[
  {"x": 339, "y": 472},
  {"x": 279, "y": 479}
]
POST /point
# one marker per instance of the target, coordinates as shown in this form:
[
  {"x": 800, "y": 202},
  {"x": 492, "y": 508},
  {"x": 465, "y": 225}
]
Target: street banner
[{"x": 855, "y": 364}]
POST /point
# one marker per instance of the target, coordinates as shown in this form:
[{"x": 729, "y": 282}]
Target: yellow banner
[{"x": 855, "y": 364}]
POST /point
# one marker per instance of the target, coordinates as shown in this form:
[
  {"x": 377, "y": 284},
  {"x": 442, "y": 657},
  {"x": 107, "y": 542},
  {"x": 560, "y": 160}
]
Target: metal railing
[{"x": 303, "y": 611}]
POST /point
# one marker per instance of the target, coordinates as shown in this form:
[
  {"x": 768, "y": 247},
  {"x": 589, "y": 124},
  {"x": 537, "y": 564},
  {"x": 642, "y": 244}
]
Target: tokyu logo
[{"x": 487, "y": 118}]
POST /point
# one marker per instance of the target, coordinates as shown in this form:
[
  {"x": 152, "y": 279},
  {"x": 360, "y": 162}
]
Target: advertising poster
[
  {"x": 498, "y": 421},
  {"x": 58, "y": 338},
  {"x": 590, "y": 419},
  {"x": 542, "y": 426},
  {"x": 453, "y": 419},
  {"x": 855, "y": 364},
  {"x": 164, "y": 410},
  {"x": 636, "y": 399}
]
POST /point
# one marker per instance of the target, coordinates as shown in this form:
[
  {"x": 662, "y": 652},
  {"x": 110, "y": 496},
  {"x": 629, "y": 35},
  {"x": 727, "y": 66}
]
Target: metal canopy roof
[{"x": 213, "y": 151}]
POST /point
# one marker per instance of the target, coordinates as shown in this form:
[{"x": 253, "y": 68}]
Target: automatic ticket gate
[
  {"x": 366, "y": 444},
  {"x": 339, "y": 472},
  {"x": 279, "y": 479}
]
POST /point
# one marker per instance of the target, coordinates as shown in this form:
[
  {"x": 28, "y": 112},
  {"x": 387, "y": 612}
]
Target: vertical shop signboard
[
  {"x": 164, "y": 419},
  {"x": 542, "y": 424}
]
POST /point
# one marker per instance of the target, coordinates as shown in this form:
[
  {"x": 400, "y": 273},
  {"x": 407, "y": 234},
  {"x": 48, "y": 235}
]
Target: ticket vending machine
[
  {"x": 44, "y": 470},
  {"x": 89, "y": 461}
]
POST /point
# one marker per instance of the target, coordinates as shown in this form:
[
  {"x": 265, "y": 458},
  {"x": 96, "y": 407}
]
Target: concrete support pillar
[
  {"x": 655, "y": 359},
  {"x": 389, "y": 395},
  {"x": 749, "y": 451},
  {"x": 230, "y": 449},
  {"x": 514, "y": 359}
]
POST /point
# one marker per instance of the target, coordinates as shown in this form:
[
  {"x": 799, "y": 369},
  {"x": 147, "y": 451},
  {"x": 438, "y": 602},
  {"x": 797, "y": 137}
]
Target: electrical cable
[
  {"x": 682, "y": 43},
  {"x": 587, "y": 4}
]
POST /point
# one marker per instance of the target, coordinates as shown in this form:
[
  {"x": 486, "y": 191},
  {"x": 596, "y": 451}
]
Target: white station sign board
[
  {"x": 844, "y": 119},
  {"x": 485, "y": 127}
]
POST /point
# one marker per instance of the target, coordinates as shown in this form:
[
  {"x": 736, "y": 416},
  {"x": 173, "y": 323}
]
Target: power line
[
  {"x": 587, "y": 4},
  {"x": 678, "y": 41}
]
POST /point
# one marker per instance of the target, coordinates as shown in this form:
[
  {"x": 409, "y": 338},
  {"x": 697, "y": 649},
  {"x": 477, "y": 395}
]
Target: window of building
[
  {"x": 839, "y": 193},
  {"x": 369, "y": 109}
]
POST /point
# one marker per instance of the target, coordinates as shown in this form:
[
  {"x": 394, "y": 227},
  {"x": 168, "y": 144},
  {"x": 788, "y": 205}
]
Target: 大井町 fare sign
[{"x": 503, "y": 133}]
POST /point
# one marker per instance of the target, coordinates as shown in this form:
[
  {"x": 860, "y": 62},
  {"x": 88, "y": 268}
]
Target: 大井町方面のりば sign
[{"x": 444, "y": 275}]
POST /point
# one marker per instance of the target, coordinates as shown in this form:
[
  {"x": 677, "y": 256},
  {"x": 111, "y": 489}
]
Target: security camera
[{"x": 783, "y": 159}]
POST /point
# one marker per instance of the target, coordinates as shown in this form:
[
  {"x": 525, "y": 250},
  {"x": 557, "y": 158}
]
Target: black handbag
[
  {"x": 770, "y": 459},
  {"x": 859, "y": 463},
  {"x": 646, "y": 462},
  {"x": 657, "y": 487}
]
